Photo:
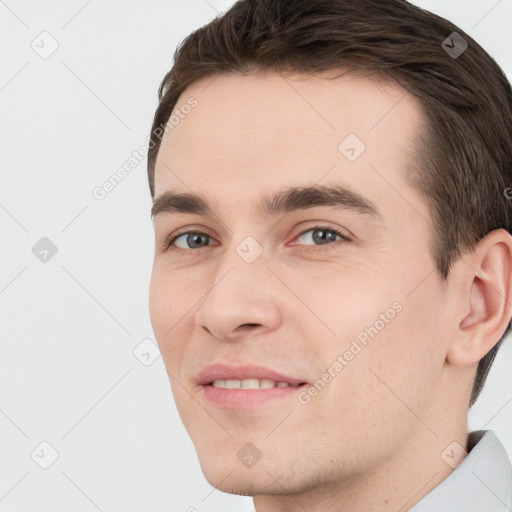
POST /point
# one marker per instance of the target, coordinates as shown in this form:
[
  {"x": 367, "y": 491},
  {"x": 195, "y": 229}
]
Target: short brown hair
[{"x": 466, "y": 151}]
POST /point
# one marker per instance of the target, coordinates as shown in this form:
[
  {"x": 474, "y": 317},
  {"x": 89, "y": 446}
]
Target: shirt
[{"x": 482, "y": 482}]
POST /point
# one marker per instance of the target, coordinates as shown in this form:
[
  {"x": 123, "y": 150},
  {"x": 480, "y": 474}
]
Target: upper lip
[{"x": 246, "y": 371}]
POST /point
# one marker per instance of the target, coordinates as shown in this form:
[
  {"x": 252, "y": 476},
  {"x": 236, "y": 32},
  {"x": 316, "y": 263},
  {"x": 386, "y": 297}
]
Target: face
[{"x": 331, "y": 294}]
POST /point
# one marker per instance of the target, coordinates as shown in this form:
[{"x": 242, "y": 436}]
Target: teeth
[
  {"x": 232, "y": 384},
  {"x": 248, "y": 384}
]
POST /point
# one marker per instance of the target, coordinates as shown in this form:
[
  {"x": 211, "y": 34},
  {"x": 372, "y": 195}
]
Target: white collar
[{"x": 482, "y": 482}]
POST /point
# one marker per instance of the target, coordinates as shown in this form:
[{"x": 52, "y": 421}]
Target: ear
[{"x": 487, "y": 299}]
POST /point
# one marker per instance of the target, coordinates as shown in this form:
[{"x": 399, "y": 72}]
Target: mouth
[{"x": 247, "y": 386}]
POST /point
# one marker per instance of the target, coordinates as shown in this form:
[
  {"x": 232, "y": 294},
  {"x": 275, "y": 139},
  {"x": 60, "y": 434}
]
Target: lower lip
[{"x": 247, "y": 398}]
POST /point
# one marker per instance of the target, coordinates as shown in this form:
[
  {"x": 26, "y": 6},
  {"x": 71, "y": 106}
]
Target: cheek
[
  {"x": 160, "y": 302},
  {"x": 406, "y": 358},
  {"x": 346, "y": 301},
  {"x": 390, "y": 339},
  {"x": 170, "y": 300}
]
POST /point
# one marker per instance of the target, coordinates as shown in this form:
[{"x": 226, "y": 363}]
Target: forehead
[{"x": 249, "y": 136}]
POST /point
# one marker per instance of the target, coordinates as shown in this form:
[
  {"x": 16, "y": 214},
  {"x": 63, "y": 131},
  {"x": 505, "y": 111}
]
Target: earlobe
[{"x": 489, "y": 299}]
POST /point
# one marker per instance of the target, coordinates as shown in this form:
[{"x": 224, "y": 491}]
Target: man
[{"x": 332, "y": 273}]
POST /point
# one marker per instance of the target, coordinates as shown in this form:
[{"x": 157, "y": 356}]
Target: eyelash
[{"x": 308, "y": 248}]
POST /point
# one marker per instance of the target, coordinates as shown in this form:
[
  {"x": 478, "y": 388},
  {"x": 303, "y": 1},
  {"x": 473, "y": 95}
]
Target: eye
[
  {"x": 192, "y": 239},
  {"x": 321, "y": 235}
]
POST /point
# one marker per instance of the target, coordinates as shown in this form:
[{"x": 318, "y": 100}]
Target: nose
[{"x": 242, "y": 298}]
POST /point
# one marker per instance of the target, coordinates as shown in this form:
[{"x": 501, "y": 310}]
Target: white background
[{"x": 68, "y": 374}]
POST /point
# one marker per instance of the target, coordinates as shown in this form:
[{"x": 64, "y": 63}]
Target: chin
[
  {"x": 269, "y": 476},
  {"x": 242, "y": 481}
]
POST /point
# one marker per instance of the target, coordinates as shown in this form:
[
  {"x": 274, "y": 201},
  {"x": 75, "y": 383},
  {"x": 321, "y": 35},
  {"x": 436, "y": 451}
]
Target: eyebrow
[{"x": 284, "y": 201}]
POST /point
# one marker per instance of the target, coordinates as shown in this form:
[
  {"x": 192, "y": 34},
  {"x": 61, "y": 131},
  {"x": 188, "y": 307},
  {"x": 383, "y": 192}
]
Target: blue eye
[
  {"x": 326, "y": 235},
  {"x": 192, "y": 238}
]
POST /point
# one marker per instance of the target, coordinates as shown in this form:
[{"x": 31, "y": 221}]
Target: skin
[{"x": 372, "y": 438}]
